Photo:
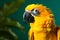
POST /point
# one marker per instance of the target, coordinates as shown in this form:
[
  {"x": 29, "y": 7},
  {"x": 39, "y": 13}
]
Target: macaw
[{"x": 42, "y": 23}]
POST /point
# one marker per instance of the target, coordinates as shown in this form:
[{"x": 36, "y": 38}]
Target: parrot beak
[{"x": 27, "y": 17}]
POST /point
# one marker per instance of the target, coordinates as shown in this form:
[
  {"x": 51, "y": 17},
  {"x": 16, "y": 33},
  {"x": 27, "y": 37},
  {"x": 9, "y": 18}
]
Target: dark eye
[{"x": 35, "y": 12}]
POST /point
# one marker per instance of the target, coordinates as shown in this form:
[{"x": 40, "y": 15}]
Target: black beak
[{"x": 27, "y": 17}]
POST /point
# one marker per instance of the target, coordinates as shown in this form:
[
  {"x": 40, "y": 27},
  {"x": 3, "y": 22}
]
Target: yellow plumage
[{"x": 44, "y": 24}]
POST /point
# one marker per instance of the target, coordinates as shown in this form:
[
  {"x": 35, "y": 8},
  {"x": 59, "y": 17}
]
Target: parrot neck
[{"x": 44, "y": 15}]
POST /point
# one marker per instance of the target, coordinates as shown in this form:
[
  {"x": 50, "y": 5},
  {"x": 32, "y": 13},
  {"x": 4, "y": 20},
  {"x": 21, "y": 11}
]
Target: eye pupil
[{"x": 35, "y": 12}]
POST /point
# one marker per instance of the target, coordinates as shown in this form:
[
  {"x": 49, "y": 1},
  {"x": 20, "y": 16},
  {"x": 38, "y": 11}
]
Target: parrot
[{"x": 42, "y": 23}]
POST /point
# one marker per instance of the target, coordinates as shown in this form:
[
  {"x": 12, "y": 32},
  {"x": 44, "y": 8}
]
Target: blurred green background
[{"x": 54, "y": 5}]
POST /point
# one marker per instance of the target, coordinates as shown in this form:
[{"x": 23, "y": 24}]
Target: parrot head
[
  {"x": 34, "y": 12},
  {"x": 39, "y": 16}
]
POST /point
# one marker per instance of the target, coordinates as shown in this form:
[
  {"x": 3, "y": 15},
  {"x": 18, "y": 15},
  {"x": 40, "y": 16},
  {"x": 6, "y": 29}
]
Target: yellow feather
[{"x": 37, "y": 27}]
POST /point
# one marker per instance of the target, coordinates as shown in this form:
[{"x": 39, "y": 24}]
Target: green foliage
[
  {"x": 6, "y": 23},
  {"x": 11, "y": 7}
]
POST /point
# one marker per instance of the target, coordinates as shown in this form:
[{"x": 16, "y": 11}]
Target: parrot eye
[{"x": 35, "y": 12}]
